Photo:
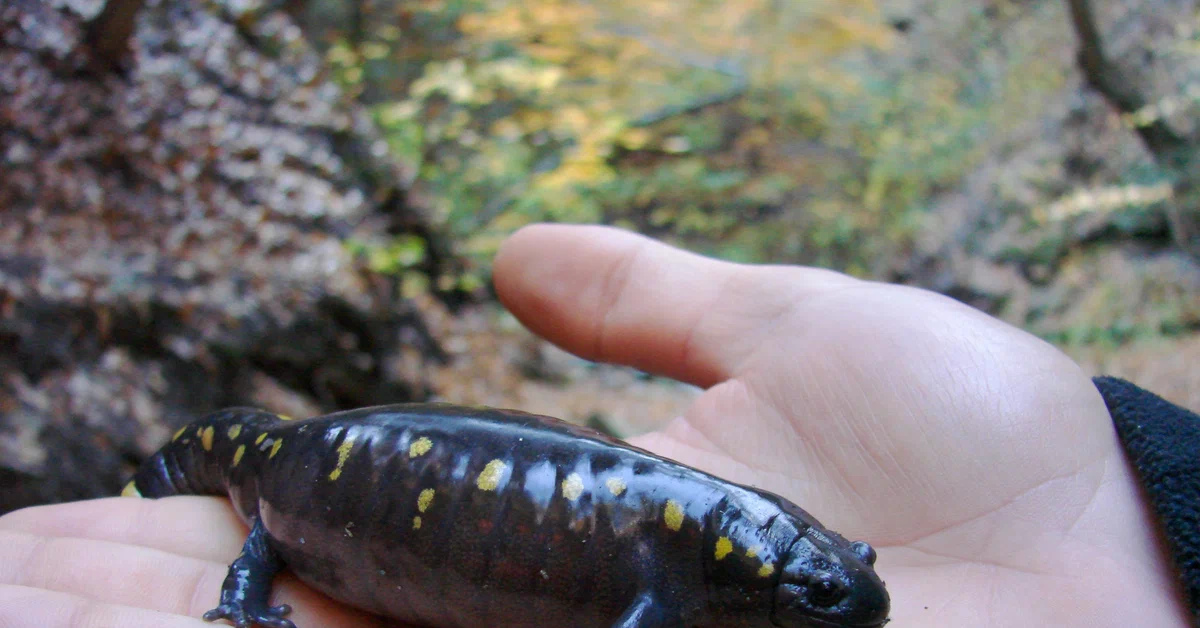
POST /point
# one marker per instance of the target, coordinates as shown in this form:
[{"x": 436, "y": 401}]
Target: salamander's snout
[{"x": 830, "y": 584}]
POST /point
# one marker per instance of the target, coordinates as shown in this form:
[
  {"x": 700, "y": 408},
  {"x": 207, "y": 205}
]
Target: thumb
[{"x": 615, "y": 296}]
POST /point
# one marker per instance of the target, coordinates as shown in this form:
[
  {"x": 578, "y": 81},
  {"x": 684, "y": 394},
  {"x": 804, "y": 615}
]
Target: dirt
[{"x": 1167, "y": 366}]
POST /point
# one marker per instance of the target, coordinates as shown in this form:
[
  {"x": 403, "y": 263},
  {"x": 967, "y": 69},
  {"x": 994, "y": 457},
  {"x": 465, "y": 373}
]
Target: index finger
[{"x": 191, "y": 526}]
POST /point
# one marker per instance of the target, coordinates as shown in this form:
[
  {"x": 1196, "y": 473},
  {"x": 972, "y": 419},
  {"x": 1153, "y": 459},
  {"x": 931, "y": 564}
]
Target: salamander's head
[{"x": 828, "y": 582}]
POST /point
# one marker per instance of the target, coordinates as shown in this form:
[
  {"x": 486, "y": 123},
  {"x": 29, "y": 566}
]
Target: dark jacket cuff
[{"x": 1162, "y": 441}]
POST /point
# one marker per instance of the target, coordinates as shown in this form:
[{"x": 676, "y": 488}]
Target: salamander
[{"x": 447, "y": 516}]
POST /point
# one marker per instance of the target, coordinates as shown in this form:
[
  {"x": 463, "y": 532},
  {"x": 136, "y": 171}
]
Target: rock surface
[{"x": 173, "y": 239}]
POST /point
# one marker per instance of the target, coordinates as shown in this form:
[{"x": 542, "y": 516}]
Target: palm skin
[{"x": 979, "y": 461}]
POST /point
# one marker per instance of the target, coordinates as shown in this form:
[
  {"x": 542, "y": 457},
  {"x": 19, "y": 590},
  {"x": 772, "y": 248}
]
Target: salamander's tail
[{"x": 197, "y": 459}]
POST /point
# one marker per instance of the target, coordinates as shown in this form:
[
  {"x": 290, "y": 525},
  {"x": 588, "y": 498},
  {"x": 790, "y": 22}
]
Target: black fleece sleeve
[{"x": 1162, "y": 441}]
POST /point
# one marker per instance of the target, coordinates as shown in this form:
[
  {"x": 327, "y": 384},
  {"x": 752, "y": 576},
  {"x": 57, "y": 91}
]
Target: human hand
[
  {"x": 134, "y": 563},
  {"x": 980, "y": 461}
]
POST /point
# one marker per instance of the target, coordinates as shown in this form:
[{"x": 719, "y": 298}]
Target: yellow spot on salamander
[
  {"x": 234, "y": 432},
  {"x": 724, "y": 547},
  {"x": 489, "y": 478},
  {"x": 420, "y": 447},
  {"x": 572, "y": 487},
  {"x": 673, "y": 515},
  {"x": 237, "y": 455},
  {"x": 260, "y": 439},
  {"x": 766, "y": 570},
  {"x": 179, "y": 433},
  {"x": 616, "y": 486},
  {"x": 343, "y": 452},
  {"x": 416, "y": 523},
  {"x": 275, "y": 448},
  {"x": 752, "y": 552},
  {"x": 284, "y": 417},
  {"x": 206, "y": 438},
  {"x": 130, "y": 490},
  {"x": 424, "y": 499}
]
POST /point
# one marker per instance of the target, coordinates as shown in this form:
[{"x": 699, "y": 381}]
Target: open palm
[{"x": 978, "y": 460}]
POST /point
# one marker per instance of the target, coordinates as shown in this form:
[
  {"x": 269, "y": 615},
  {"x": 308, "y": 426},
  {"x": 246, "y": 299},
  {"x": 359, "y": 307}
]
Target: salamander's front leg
[
  {"x": 247, "y": 588},
  {"x": 648, "y": 612}
]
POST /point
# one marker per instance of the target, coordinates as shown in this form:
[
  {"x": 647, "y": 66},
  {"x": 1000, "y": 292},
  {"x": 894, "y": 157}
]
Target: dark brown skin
[{"x": 441, "y": 515}]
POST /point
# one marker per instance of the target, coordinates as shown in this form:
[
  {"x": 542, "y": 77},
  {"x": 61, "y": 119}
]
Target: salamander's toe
[{"x": 243, "y": 617}]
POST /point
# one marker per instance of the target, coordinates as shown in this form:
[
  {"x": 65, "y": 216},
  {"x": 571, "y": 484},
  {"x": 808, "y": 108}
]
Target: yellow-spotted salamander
[{"x": 441, "y": 515}]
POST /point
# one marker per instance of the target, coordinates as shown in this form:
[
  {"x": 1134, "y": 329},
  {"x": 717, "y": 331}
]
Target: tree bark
[
  {"x": 108, "y": 34},
  {"x": 1115, "y": 84},
  {"x": 1175, "y": 153}
]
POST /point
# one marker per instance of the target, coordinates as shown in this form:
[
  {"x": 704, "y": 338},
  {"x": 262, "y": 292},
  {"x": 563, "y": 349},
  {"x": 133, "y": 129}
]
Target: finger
[
  {"x": 196, "y": 527},
  {"x": 27, "y": 607},
  {"x": 615, "y": 296},
  {"x": 133, "y": 576},
  {"x": 116, "y": 573}
]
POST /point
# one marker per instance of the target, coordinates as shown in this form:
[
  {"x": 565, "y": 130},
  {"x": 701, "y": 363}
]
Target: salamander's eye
[
  {"x": 864, "y": 551},
  {"x": 825, "y": 591}
]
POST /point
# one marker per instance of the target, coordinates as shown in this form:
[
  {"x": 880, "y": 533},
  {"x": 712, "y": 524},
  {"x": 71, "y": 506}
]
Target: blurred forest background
[{"x": 294, "y": 203}]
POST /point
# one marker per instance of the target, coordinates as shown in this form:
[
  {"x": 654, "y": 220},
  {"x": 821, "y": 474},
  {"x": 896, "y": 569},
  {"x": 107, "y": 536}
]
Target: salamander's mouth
[
  {"x": 815, "y": 622},
  {"x": 821, "y": 623}
]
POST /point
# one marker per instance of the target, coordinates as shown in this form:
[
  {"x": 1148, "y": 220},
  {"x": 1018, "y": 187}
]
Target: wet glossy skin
[{"x": 441, "y": 515}]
